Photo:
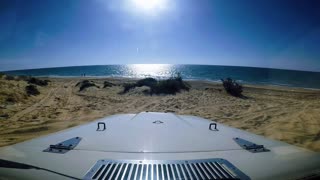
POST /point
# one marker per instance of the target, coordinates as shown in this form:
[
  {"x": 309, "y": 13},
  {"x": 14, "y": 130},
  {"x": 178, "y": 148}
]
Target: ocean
[{"x": 245, "y": 75}]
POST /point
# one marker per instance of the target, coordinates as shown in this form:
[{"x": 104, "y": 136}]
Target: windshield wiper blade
[{"x": 16, "y": 165}]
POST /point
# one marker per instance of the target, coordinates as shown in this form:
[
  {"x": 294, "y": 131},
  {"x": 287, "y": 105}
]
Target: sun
[{"x": 149, "y": 5}]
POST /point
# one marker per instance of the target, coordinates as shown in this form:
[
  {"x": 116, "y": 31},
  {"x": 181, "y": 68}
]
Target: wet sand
[{"x": 287, "y": 114}]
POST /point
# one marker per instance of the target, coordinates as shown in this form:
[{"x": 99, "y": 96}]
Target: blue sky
[{"x": 270, "y": 33}]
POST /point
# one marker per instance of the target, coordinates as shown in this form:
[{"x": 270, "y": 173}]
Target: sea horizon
[
  {"x": 243, "y": 74},
  {"x": 3, "y": 71}
]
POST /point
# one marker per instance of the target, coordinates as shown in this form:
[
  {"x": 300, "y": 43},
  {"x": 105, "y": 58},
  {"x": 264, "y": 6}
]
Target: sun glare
[
  {"x": 150, "y": 70},
  {"x": 150, "y": 6}
]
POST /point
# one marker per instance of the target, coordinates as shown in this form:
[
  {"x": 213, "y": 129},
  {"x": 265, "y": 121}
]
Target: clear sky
[{"x": 261, "y": 33}]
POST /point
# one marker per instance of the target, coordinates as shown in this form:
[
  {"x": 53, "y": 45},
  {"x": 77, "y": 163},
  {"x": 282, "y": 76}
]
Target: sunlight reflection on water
[{"x": 150, "y": 70}]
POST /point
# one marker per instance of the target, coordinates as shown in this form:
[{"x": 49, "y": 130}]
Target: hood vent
[{"x": 161, "y": 170}]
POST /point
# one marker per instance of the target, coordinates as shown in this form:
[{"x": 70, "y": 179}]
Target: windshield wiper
[{"x": 16, "y": 165}]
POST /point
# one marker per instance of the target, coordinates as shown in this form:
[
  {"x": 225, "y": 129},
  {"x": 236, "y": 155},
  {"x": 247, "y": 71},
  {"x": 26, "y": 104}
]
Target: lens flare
[
  {"x": 150, "y": 70},
  {"x": 149, "y": 6}
]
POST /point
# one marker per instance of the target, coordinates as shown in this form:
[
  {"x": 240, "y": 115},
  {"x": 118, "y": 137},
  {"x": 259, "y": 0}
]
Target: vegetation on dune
[
  {"x": 127, "y": 87},
  {"x": 107, "y": 84},
  {"x": 10, "y": 99},
  {"x": 11, "y": 91},
  {"x": 85, "y": 84},
  {"x": 150, "y": 82},
  {"x": 172, "y": 85},
  {"x": 38, "y": 82},
  {"x": 4, "y": 116},
  {"x": 232, "y": 87},
  {"x": 9, "y": 77},
  {"x": 28, "y": 79},
  {"x": 22, "y": 78},
  {"x": 32, "y": 90}
]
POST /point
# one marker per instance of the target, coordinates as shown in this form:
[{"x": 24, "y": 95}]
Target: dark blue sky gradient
[{"x": 270, "y": 33}]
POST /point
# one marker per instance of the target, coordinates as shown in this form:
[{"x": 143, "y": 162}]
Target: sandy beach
[{"x": 286, "y": 114}]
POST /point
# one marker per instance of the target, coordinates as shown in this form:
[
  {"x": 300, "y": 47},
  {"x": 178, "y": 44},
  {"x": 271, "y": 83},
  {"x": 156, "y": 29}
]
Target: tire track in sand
[{"x": 45, "y": 101}]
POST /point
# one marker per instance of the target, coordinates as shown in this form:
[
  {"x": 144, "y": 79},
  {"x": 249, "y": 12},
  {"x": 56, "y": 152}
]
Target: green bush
[
  {"x": 150, "y": 82},
  {"x": 172, "y": 85},
  {"x": 85, "y": 84},
  {"x": 232, "y": 87},
  {"x": 107, "y": 84},
  {"x": 128, "y": 86},
  {"x": 37, "y": 81},
  {"x": 32, "y": 90},
  {"x": 9, "y": 77},
  {"x": 10, "y": 99}
]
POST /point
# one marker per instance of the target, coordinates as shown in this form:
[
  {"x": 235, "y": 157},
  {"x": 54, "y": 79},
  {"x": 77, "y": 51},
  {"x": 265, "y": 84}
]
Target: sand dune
[{"x": 286, "y": 114}]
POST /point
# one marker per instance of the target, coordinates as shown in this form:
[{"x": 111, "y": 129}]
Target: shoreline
[{"x": 281, "y": 113}]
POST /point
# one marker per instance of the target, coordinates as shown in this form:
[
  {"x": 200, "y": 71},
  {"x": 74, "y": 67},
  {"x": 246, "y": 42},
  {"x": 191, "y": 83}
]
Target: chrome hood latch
[
  {"x": 250, "y": 146},
  {"x": 64, "y": 146}
]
